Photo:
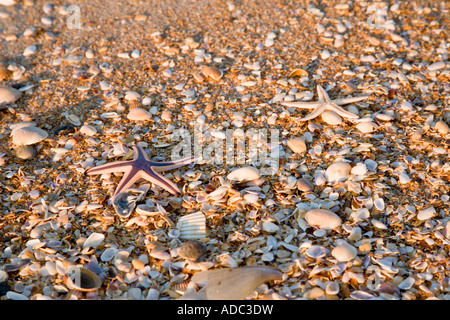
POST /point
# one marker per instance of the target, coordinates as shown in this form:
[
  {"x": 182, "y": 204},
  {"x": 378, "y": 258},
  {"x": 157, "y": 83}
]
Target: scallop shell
[
  {"x": 192, "y": 250},
  {"x": 28, "y": 135},
  {"x": 82, "y": 279},
  {"x": 192, "y": 226},
  {"x": 139, "y": 114},
  {"x": 233, "y": 283},
  {"x": 9, "y": 95}
]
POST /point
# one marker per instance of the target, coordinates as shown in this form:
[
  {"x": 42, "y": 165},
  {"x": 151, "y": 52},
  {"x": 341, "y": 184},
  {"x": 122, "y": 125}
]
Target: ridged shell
[
  {"x": 9, "y": 95},
  {"x": 192, "y": 226},
  {"x": 28, "y": 135},
  {"x": 233, "y": 283},
  {"x": 139, "y": 114},
  {"x": 82, "y": 279},
  {"x": 192, "y": 250}
]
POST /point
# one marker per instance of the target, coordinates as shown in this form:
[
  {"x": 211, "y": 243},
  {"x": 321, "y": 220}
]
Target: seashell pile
[{"x": 318, "y": 130}]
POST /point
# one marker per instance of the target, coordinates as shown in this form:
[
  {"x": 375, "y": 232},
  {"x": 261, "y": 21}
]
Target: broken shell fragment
[
  {"x": 192, "y": 226},
  {"x": 233, "y": 283},
  {"x": 124, "y": 203},
  {"x": 82, "y": 279}
]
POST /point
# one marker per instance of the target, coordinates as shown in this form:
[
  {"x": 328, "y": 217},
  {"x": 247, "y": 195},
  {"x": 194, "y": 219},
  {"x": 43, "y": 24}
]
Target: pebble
[
  {"x": 297, "y": 145},
  {"x": 337, "y": 172},
  {"x": 323, "y": 219},
  {"x": 344, "y": 252},
  {"x": 426, "y": 214},
  {"x": 331, "y": 118},
  {"x": 244, "y": 174}
]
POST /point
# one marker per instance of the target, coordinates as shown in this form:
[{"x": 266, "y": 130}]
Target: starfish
[
  {"x": 142, "y": 167},
  {"x": 324, "y": 104}
]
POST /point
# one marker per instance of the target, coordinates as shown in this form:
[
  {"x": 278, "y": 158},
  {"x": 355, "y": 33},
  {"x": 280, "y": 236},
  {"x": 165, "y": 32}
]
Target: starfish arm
[
  {"x": 303, "y": 105},
  {"x": 323, "y": 95},
  {"x": 342, "y": 112},
  {"x": 314, "y": 114},
  {"x": 162, "y": 166},
  {"x": 161, "y": 181},
  {"x": 119, "y": 166},
  {"x": 139, "y": 153},
  {"x": 340, "y": 102},
  {"x": 128, "y": 179}
]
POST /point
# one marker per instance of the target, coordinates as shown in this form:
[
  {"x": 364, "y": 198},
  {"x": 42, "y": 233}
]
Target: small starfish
[
  {"x": 325, "y": 103},
  {"x": 142, "y": 167}
]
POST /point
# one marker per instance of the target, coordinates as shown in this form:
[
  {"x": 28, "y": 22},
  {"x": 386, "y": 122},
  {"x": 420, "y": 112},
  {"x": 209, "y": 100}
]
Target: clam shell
[
  {"x": 28, "y": 135},
  {"x": 212, "y": 72},
  {"x": 297, "y": 145},
  {"x": 244, "y": 174},
  {"x": 26, "y": 152},
  {"x": 233, "y": 283},
  {"x": 344, "y": 252},
  {"x": 94, "y": 240},
  {"x": 9, "y": 95},
  {"x": 139, "y": 114},
  {"x": 337, "y": 172},
  {"x": 82, "y": 279},
  {"x": 192, "y": 226},
  {"x": 323, "y": 219},
  {"x": 88, "y": 130},
  {"x": 331, "y": 118}
]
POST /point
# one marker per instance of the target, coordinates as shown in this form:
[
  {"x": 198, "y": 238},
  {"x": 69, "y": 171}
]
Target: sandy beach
[{"x": 321, "y": 131}]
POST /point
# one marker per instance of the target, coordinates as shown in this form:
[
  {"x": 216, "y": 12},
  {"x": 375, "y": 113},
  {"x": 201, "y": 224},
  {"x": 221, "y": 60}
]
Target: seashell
[
  {"x": 221, "y": 284},
  {"x": 73, "y": 119},
  {"x": 442, "y": 127},
  {"x": 304, "y": 185},
  {"x": 344, "y": 252},
  {"x": 316, "y": 252},
  {"x": 160, "y": 254},
  {"x": 323, "y": 219},
  {"x": 28, "y": 135},
  {"x": 139, "y": 114},
  {"x": 88, "y": 130},
  {"x": 93, "y": 240},
  {"x": 332, "y": 118},
  {"x": 337, "y": 172},
  {"x": 298, "y": 73},
  {"x": 146, "y": 210},
  {"x": 426, "y": 214},
  {"x": 26, "y": 152},
  {"x": 82, "y": 279},
  {"x": 124, "y": 203},
  {"x": 108, "y": 254},
  {"x": 297, "y": 145},
  {"x": 9, "y": 95},
  {"x": 192, "y": 226},
  {"x": 192, "y": 250},
  {"x": 244, "y": 174},
  {"x": 212, "y": 72},
  {"x": 270, "y": 227},
  {"x": 30, "y": 50},
  {"x": 4, "y": 72},
  {"x": 367, "y": 127},
  {"x": 359, "y": 169}
]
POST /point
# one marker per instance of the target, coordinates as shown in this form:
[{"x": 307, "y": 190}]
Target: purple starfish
[{"x": 142, "y": 167}]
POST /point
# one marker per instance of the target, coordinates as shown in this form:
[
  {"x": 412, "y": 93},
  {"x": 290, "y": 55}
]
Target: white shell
[
  {"x": 332, "y": 118},
  {"x": 344, "y": 252},
  {"x": 221, "y": 284},
  {"x": 9, "y": 95},
  {"x": 323, "y": 219},
  {"x": 426, "y": 214},
  {"x": 139, "y": 114},
  {"x": 297, "y": 145},
  {"x": 28, "y": 135},
  {"x": 192, "y": 226},
  {"x": 244, "y": 174},
  {"x": 367, "y": 127},
  {"x": 108, "y": 254},
  {"x": 73, "y": 119},
  {"x": 93, "y": 240},
  {"x": 337, "y": 172},
  {"x": 132, "y": 95},
  {"x": 30, "y": 50},
  {"x": 88, "y": 130}
]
